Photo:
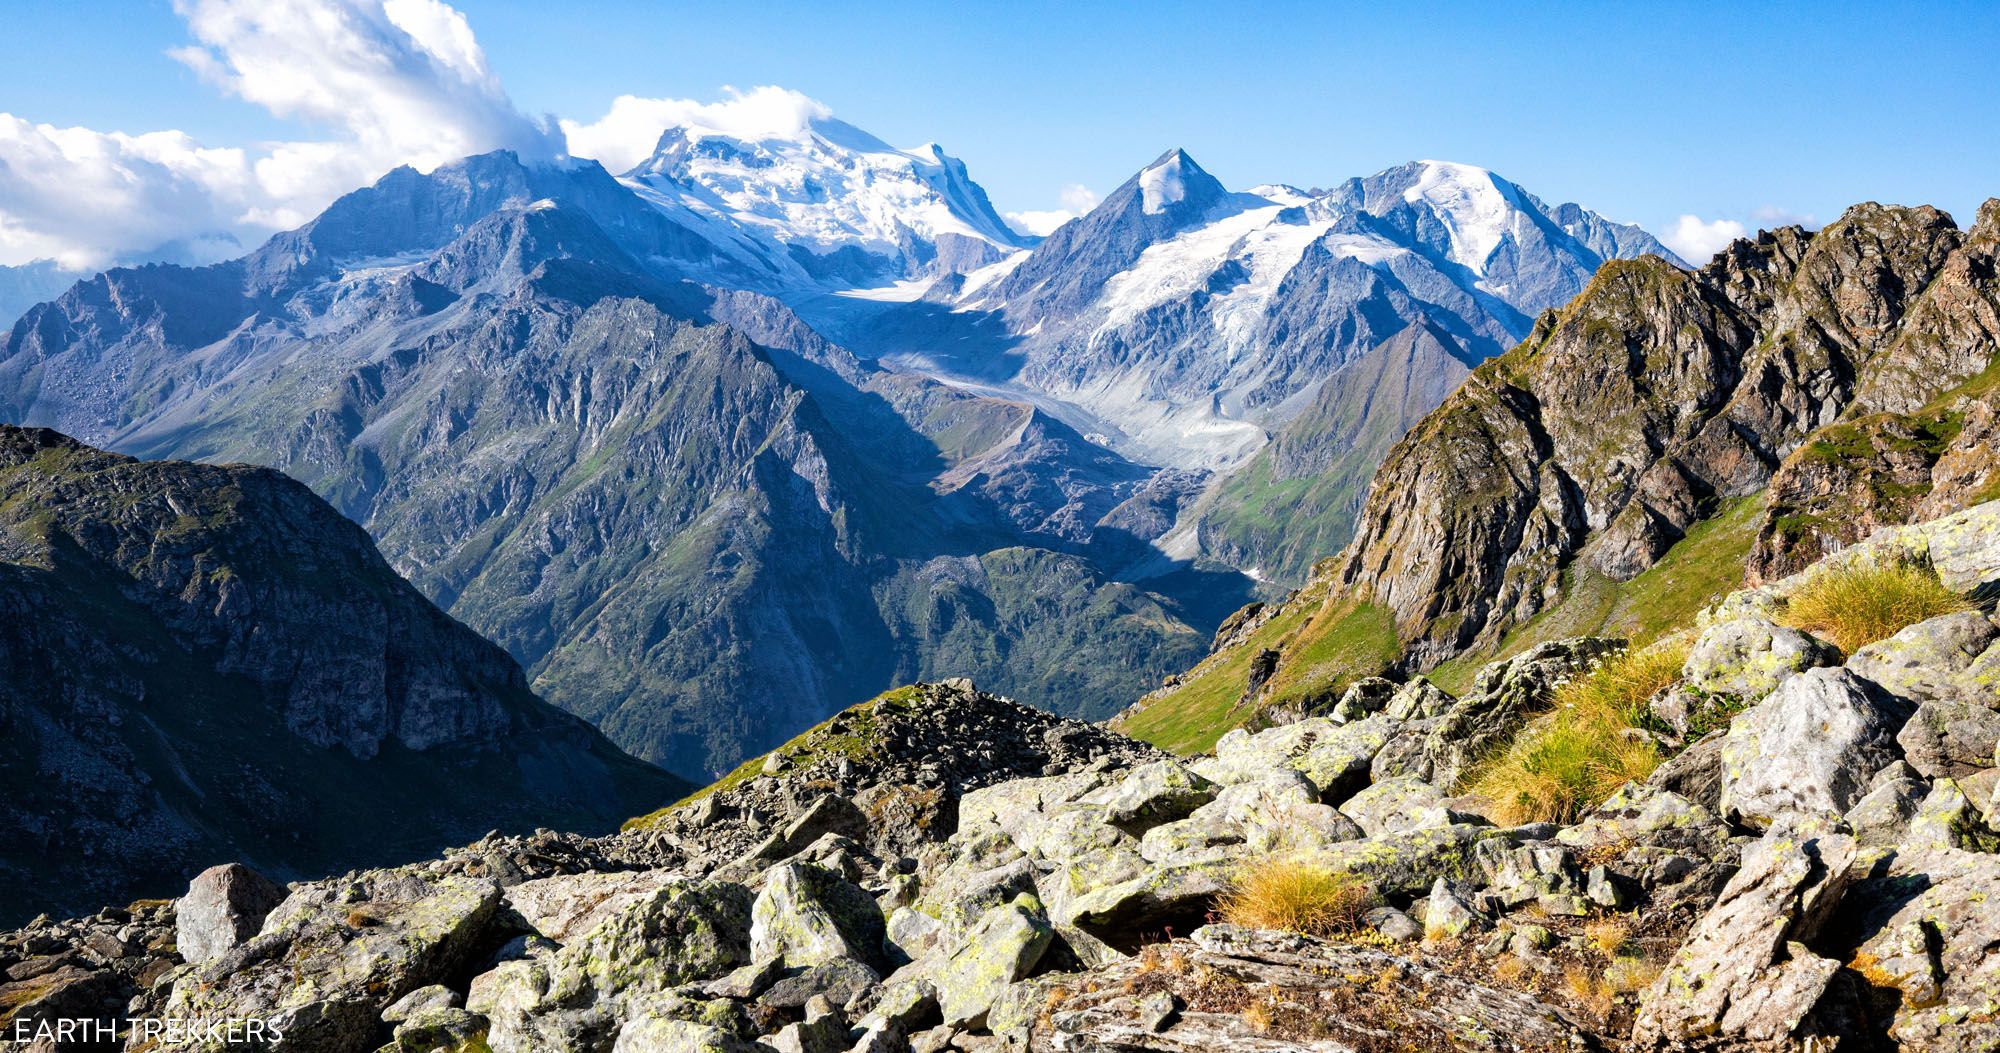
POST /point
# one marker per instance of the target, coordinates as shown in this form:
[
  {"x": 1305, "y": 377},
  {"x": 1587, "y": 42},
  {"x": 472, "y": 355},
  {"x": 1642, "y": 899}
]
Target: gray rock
[
  {"x": 1001, "y": 949},
  {"x": 1934, "y": 939},
  {"x": 566, "y": 906},
  {"x": 1418, "y": 700},
  {"x": 1745, "y": 972},
  {"x": 1809, "y": 749},
  {"x": 1694, "y": 773},
  {"x": 824, "y": 1030},
  {"x": 436, "y": 996},
  {"x": 439, "y": 1027},
  {"x": 1152, "y": 794},
  {"x": 666, "y": 1035},
  {"x": 1748, "y": 657},
  {"x": 836, "y": 980},
  {"x": 1397, "y": 805},
  {"x": 746, "y": 982},
  {"x": 1393, "y": 924},
  {"x": 333, "y": 956},
  {"x": 1365, "y": 697},
  {"x": 807, "y": 914},
  {"x": 1881, "y": 819},
  {"x": 1950, "y": 739},
  {"x": 224, "y": 906},
  {"x": 1449, "y": 913},
  {"x": 1952, "y": 657}
]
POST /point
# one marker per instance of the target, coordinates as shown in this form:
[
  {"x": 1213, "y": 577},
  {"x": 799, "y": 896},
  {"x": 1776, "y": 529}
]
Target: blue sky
[{"x": 1730, "y": 113}]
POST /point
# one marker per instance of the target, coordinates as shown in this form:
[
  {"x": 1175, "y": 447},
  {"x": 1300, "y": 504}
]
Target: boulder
[
  {"x": 1809, "y": 749},
  {"x": 667, "y": 1035},
  {"x": 1396, "y": 805},
  {"x": 333, "y": 956},
  {"x": 1953, "y": 657},
  {"x": 836, "y": 980},
  {"x": 224, "y": 906},
  {"x": 1881, "y": 819},
  {"x": 1748, "y": 657},
  {"x": 1365, "y": 697},
  {"x": 1004, "y": 947},
  {"x": 566, "y": 906},
  {"x": 808, "y": 914},
  {"x": 1950, "y": 739},
  {"x": 1152, "y": 794},
  {"x": 1934, "y": 938},
  {"x": 682, "y": 932},
  {"x": 1744, "y": 972}
]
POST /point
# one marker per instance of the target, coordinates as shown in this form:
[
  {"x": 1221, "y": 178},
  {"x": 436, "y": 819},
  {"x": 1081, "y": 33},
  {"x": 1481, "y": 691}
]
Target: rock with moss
[
  {"x": 808, "y": 914},
  {"x": 682, "y": 932},
  {"x": 1152, "y": 794},
  {"x": 1001, "y": 949},
  {"x": 1809, "y": 749},
  {"x": 1950, "y": 658},
  {"x": 1747, "y": 658},
  {"x": 334, "y": 956},
  {"x": 1745, "y": 972}
]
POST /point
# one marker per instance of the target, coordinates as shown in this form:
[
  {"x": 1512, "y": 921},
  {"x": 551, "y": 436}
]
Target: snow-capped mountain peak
[
  {"x": 1476, "y": 207},
  {"x": 828, "y": 199},
  {"x": 1161, "y": 183}
]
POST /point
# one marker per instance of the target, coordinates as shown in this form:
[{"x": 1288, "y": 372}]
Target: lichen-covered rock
[
  {"x": 1881, "y": 819},
  {"x": 1933, "y": 937},
  {"x": 1950, "y": 739},
  {"x": 1002, "y": 948},
  {"x": 1745, "y": 972},
  {"x": 1809, "y": 749},
  {"x": 1748, "y": 657},
  {"x": 1950, "y": 658},
  {"x": 1152, "y": 794},
  {"x": 1334, "y": 756},
  {"x": 1396, "y": 805},
  {"x": 1449, "y": 913},
  {"x": 334, "y": 955},
  {"x": 1408, "y": 863},
  {"x": 224, "y": 906},
  {"x": 808, "y": 914},
  {"x": 577, "y": 997},
  {"x": 667, "y": 1035},
  {"x": 1647, "y": 815}
]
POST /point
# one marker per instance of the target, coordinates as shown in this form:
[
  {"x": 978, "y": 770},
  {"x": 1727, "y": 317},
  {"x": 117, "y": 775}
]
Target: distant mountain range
[{"x": 757, "y": 429}]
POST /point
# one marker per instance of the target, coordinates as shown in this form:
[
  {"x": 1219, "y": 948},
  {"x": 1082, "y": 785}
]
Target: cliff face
[
  {"x": 1626, "y": 416},
  {"x": 207, "y": 661}
]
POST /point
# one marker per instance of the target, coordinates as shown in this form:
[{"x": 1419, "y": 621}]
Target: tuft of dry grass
[
  {"x": 1587, "y": 746},
  {"x": 1608, "y": 934},
  {"x": 1295, "y": 895},
  {"x": 1858, "y": 603}
]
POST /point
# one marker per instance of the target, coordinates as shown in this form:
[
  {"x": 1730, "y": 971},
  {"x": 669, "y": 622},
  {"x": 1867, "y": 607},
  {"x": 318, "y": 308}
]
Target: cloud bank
[
  {"x": 1076, "y": 200},
  {"x": 627, "y": 134},
  {"x": 392, "y": 81}
]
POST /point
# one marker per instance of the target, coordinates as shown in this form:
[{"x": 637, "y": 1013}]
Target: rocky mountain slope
[
  {"x": 942, "y": 870},
  {"x": 1786, "y": 399},
  {"x": 694, "y": 521},
  {"x": 208, "y": 662}
]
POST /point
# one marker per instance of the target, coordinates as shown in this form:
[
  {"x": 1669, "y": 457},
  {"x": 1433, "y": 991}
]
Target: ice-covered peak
[
  {"x": 815, "y": 189},
  {"x": 1164, "y": 182},
  {"x": 1477, "y": 207}
]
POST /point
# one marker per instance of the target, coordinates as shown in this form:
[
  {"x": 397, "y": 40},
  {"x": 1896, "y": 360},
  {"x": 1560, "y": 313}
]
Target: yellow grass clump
[
  {"x": 1859, "y": 603},
  {"x": 1295, "y": 895},
  {"x": 1586, "y": 747}
]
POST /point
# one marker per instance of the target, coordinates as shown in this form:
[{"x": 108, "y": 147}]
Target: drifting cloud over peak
[
  {"x": 628, "y": 133},
  {"x": 394, "y": 82}
]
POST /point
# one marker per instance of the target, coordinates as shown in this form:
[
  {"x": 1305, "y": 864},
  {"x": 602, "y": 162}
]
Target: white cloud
[
  {"x": 395, "y": 81},
  {"x": 1697, "y": 240},
  {"x": 628, "y": 133},
  {"x": 1076, "y": 199}
]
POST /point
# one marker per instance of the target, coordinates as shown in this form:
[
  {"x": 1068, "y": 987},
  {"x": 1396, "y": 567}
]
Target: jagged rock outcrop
[
  {"x": 209, "y": 663},
  {"x": 1611, "y": 429}
]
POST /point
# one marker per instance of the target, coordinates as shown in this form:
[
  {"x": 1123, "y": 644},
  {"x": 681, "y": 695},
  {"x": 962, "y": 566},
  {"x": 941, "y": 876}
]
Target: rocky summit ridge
[{"x": 940, "y": 869}]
